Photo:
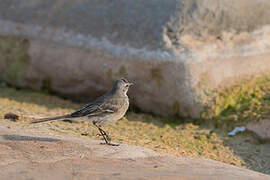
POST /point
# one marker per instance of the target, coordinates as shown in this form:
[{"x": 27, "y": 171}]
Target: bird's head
[{"x": 121, "y": 86}]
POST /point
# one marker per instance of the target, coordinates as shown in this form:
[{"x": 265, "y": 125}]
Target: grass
[
  {"x": 180, "y": 137},
  {"x": 246, "y": 100}
]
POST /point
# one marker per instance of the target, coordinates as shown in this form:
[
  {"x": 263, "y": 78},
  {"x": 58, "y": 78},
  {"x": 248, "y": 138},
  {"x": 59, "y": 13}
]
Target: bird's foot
[{"x": 110, "y": 144}]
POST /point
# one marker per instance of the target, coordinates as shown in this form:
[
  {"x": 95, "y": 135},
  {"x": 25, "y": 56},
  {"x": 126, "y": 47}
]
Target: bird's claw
[{"x": 110, "y": 144}]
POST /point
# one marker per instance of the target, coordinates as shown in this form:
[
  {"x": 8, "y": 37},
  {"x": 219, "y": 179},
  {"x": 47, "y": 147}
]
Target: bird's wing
[
  {"x": 88, "y": 109},
  {"x": 110, "y": 106},
  {"x": 96, "y": 108}
]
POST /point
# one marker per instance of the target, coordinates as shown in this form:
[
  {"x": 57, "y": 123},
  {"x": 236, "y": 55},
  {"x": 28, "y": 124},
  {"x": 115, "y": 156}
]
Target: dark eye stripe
[{"x": 123, "y": 79}]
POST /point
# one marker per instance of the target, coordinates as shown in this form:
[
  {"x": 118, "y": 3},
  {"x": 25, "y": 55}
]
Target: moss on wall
[
  {"x": 176, "y": 108},
  {"x": 122, "y": 72},
  {"x": 157, "y": 75},
  {"x": 46, "y": 85},
  {"x": 15, "y": 58}
]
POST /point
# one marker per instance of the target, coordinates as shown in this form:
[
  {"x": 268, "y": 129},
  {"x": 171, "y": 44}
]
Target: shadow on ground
[
  {"x": 28, "y": 138},
  {"x": 255, "y": 154}
]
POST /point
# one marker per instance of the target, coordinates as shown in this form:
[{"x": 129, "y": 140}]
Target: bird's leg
[
  {"x": 105, "y": 136},
  {"x": 102, "y": 133}
]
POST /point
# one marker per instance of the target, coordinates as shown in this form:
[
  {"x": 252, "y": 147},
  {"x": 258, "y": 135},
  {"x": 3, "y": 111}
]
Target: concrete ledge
[{"x": 35, "y": 152}]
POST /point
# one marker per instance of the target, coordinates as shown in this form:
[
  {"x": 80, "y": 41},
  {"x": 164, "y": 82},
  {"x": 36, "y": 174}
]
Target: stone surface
[
  {"x": 172, "y": 50},
  {"x": 35, "y": 154},
  {"x": 261, "y": 129}
]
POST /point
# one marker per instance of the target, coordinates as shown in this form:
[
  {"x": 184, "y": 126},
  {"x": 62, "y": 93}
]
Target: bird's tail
[{"x": 50, "y": 119}]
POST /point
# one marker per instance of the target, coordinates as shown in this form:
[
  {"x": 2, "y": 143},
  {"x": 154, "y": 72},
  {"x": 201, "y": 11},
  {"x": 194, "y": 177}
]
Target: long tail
[{"x": 50, "y": 119}]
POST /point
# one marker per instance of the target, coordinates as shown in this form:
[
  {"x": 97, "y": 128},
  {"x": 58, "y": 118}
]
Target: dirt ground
[{"x": 178, "y": 137}]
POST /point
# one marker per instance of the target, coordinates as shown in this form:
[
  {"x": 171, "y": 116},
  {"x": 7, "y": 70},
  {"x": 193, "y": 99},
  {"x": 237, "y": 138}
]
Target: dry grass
[{"x": 164, "y": 135}]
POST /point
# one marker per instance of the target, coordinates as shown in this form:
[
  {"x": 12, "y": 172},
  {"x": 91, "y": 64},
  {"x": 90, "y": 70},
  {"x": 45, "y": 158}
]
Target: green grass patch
[{"x": 247, "y": 100}]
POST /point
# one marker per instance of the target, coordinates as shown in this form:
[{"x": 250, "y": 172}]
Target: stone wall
[{"x": 175, "y": 51}]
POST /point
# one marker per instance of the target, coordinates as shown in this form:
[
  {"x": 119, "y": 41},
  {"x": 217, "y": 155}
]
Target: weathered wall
[
  {"x": 139, "y": 24},
  {"x": 168, "y": 48}
]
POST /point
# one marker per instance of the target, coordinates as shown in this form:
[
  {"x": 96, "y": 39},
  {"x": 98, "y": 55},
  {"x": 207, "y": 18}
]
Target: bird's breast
[
  {"x": 122, "y": 110},
  {"x": 112, "y": 118}
]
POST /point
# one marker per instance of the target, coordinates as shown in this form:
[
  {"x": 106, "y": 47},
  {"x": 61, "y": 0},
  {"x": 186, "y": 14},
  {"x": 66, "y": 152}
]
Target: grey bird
[{"x": 106, "y": 109}]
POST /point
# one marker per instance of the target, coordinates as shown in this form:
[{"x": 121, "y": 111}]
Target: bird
[{"x": 106, "y": 109}]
